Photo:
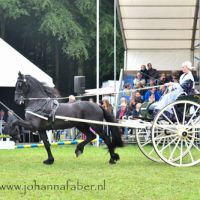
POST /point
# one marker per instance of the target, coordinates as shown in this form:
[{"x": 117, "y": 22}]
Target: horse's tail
[{"x": 115, "y": 131}]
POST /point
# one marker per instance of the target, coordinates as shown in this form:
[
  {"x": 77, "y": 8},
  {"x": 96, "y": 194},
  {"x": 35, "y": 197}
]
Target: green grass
[{"x": 133, "y": 178}]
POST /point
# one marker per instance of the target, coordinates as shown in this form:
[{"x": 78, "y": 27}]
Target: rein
[{"x": 81, "y": 96}]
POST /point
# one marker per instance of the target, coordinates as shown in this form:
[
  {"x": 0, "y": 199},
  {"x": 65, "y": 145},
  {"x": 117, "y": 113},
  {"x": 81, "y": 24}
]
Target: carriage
[{"x": 173, "y": 136}]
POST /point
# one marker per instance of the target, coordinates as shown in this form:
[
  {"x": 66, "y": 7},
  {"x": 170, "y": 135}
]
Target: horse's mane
[{"x": 49, "y": 91}]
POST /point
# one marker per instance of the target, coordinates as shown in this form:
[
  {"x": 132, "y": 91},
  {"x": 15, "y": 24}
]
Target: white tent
[
  {"x": 11, "y": 62},
  {"x": 164, "y": 32}
]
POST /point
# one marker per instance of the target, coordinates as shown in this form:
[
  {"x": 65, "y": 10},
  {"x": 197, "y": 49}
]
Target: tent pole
[
  {"x": 115, "y": 52},
  {"x": 97, "y": 58}
]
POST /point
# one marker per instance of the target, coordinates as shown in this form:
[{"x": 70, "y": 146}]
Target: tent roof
[
  {"x": 12, "y": 62},
  {"x": 159, "y": 24}
]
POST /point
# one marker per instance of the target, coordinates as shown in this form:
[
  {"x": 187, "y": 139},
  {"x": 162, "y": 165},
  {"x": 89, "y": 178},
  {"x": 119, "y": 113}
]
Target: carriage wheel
[
  {"x": 176, "y": 133},
  {"x": 143, "y": 137}
]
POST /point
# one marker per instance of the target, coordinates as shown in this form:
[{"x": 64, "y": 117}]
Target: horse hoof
[
  {"x": 78, "y": 153},
  {"x": 116, "y": 157},
  {"x": 48, "y": 162},
  {"x": 112, "y": 162}
]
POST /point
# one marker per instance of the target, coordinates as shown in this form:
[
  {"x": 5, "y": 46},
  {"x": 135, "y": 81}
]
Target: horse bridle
[{"x": 21, "y": 92}]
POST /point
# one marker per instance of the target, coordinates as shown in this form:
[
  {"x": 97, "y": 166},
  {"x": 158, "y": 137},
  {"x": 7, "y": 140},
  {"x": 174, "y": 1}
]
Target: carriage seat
[{"x": 146, "y": 110}]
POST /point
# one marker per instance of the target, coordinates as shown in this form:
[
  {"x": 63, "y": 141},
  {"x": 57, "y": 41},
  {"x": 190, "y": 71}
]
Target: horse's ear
[{"x": 20, "y": 75}]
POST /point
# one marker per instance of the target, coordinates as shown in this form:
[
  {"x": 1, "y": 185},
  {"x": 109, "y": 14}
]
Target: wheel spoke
[
  {"x": 167, "y": 118},
  {"x": 196, "y": 138},
  {"x": 181, "y": 153},
  {"x": 192, "y": 159},
  {"x": 179, "y": 145},
  {"x": 197, "y": 148},
  {"x": 163, "y": 137},
  {"x": 159, "y": 141},
  {"x": 175, "y": 115},
  {"x": 196, "y": 121},
  {"x": 172, "y": 153},
  {"x": 192, "y": 117},
  {"x": 168, "y": 144},
  {"x": 151, "y": 152},
  {"x": 149, "y": 141},
  {"x": 165, "y": 127},
  {"x": 184, "y": 111},
  {"x": 163, "y": 142},
  {"x": 143, "y": 138},
  {"x": 197, "y": 131},
  {"x": 170, "y": 150}
]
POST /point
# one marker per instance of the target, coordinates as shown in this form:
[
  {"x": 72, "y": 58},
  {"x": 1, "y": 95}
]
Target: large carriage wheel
[
  {"x": 176, "y": 133},
  {"x": 143, "y": 137}
]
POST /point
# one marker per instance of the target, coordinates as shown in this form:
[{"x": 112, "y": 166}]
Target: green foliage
[
  {"x": 76, "y": 49},
  {"x": 59, "y": 23},
  {"x": 42, "y": 29},
  {"x": 12, "y": 9}
]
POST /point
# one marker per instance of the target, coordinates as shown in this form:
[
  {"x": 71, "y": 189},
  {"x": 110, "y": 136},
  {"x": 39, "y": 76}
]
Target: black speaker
[{"x": 79, "y": 84}]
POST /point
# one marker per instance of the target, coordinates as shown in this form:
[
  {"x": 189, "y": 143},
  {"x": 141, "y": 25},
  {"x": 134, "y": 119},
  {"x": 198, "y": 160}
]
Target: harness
[{"x": 46, "y": 109}]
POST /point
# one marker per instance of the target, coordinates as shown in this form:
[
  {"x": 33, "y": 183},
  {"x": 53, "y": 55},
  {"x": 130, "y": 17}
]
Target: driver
[{"x": 186, "y": 85}]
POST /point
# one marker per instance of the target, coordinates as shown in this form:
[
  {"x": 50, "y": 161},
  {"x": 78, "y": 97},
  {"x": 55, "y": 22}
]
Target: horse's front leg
[{"x": 44, "y": 138}]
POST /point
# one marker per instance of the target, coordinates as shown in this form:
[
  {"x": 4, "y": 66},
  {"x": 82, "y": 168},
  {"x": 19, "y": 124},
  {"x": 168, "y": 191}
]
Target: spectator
[
  {"x": 138, "y": 98},
  {"x": 139, "y": 86},
  {"x": 152, "y": 98},
  {"x": 152, "y": 72},
  {"x": 107, "y": 106},
  {"x": 155, "y": 93},
  {"x": 123, "y": 100},
  {"x": 144, "y": 72},
  {"x": 162, "y": 90},
  {"x": 127, "y": 92},
  {"x": 163, "y": 79},
  {"x": 139, "y": 79},
  {"x": 2, "y": 114},
  {"x": 151, "y": 82},
  {"x": 122, "y": 111},
  {"x": 136, "y": 112},
  {"x": 11, "y": 117},
  {"x": 175, "y": 76},
  {"x": 2, "y": 120},
  {"x": 72, "y": 99},
  {"x": 132, "y": 104}
]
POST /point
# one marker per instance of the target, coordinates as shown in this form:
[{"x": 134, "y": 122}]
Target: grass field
[{"x": 133, "y": 178}]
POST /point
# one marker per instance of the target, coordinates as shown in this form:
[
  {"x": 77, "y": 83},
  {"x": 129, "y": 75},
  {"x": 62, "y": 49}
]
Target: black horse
[{"x": 28, "y": 87}]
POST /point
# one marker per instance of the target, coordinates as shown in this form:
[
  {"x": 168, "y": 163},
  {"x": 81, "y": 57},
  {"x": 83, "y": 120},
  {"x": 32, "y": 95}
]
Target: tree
[
  {"x": 10, "y": 9},
  {"x": 59, "y": 36}
]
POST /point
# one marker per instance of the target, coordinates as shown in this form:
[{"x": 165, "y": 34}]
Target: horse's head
[
  {"x": 13, "y": 131},
  {"x": 21, "y": 89}
]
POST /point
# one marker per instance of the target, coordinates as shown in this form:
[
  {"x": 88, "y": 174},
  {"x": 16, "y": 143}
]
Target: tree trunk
[
  {"x": 44, "y": 46},
  {"x": 80, "y": 68},
  {"x": 57, "y": 64},
  {"x": 3, "y": 26}
]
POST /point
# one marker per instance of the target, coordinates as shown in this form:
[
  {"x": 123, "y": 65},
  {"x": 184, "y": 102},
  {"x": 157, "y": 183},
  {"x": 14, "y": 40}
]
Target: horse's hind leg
[
  {"x": 89, "y": 137},
  {"x": 44, "y": 138},
  {"x": 113, "y": 156}
]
